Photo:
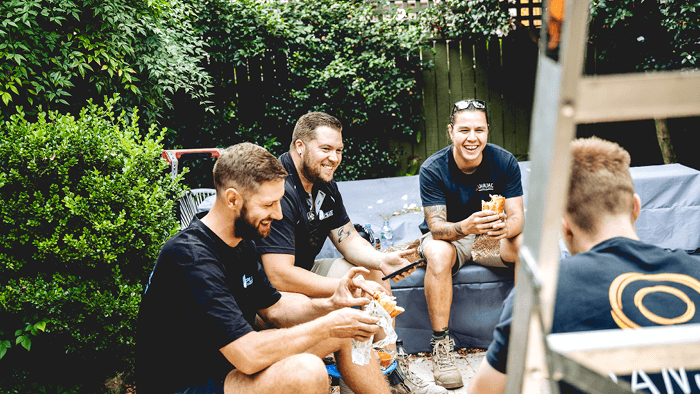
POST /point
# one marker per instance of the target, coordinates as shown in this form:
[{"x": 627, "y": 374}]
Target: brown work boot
[
  {"x": 445, "y": 369},
  {"x": 410, "y": 383}
]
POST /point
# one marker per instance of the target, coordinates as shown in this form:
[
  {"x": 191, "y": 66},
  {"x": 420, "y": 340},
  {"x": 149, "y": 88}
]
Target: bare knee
[
  {"x": 307, "y": 374},
  {"x": 510, "y": 248},
  {"x": 376, "y": 276},
  {"x": 440, "y": 256}
]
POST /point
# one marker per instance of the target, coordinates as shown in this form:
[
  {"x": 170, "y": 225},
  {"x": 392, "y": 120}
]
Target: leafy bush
[
  {"x": 59, "y": 53},
  {"x": 85, "y": 206},
  {"x": 636, "y": 35},
  {"x": 331, "y": 56},
  {"x": 467, "y": 19}
]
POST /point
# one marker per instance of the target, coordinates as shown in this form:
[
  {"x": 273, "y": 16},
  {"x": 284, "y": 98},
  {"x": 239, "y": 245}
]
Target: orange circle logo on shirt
[{"x": 619, "y": 284}]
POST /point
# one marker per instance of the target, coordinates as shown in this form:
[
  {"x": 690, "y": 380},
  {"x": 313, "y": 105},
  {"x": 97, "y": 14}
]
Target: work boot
[
  {"x": 410, "y": 383},
  {"x": 445, "y": 369}
]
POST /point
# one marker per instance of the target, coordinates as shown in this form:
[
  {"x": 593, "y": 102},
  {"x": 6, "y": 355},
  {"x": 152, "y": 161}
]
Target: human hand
[
  {"x": 481, "y": 222},
  {"x": 499, "y": 228},
  {"x": 352, "y": 323},
  {"x": 354, "y": 290},
  {"x": 394, "y": 261}
]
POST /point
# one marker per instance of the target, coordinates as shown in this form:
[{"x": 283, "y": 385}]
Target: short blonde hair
[
  {"x": 246, "y": 166},
  {"x": 600, "y": 182}
]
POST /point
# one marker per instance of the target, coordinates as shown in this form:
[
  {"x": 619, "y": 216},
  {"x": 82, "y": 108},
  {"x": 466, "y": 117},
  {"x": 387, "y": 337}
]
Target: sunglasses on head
[{"x": 464, "y": 104}]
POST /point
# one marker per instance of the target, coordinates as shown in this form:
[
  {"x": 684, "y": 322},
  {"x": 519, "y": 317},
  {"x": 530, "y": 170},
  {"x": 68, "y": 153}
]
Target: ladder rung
[
  {"x": 622, "y": 351},
  {"x": 663, "y": 94}
]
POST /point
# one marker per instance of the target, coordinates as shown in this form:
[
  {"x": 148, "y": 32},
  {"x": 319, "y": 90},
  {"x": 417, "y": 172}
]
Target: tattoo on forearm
[
  {"x": 435, "y": 213},
  {"x": 436, "y": 218},
  {"x": 344, "y": 232}
]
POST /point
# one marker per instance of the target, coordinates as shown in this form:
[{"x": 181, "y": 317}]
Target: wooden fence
[{"x": 499, "y": 71}]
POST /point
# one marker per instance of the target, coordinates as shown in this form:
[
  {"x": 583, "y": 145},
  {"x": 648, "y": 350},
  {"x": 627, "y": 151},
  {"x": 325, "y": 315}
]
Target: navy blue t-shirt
[
  {"x": 202, "y": 295},
  {"x": 302, "y": 232},
  {"x": 443, "y": 183},
  {"x": 622, "y": 267},
  {"x": 497, "y": 353}
]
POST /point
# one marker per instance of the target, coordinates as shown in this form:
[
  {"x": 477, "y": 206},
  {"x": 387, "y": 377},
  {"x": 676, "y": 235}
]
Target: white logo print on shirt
[{"x": 247, "y": 281}]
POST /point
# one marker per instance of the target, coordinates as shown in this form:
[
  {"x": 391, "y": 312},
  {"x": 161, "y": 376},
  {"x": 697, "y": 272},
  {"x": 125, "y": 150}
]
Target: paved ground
[{"x": 468, "y": 362}]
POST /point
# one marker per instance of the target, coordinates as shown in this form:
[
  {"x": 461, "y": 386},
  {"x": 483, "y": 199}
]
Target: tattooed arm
[
  {"x": 440, "y": 228},
  {"x": 358, "y": 251}
]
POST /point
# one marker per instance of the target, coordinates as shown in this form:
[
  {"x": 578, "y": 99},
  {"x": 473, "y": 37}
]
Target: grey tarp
[{"x": 670, "y": 218}]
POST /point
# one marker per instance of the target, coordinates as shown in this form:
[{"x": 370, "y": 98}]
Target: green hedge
[
  {"x": 329, "y": 55},
  {"x": 85, "y": 205}
]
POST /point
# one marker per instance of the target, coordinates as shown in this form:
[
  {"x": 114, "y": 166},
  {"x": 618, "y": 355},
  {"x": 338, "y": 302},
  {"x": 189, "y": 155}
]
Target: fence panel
[
  {"x": 495, "y": 98},
  {"x": 500, "y": 72}
]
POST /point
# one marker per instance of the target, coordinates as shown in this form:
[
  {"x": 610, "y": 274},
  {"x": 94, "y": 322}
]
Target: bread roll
[
  {"x": 497, "y": 204},
  {"x": 388, "y": 303}
]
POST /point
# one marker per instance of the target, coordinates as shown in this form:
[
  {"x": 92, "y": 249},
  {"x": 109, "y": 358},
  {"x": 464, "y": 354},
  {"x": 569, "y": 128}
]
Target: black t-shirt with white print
[
  {"x": 303, "y": 230},
  {"x": 201, "y": 296}
]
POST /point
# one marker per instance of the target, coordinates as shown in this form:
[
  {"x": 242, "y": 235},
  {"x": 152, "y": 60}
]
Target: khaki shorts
[
  {"x": 331, "y": 267},
  {"x": 463, "y": 247}
]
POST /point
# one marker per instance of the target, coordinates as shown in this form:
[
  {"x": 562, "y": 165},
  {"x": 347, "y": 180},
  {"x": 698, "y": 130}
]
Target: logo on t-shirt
[
  {"x": 484, "y": 187},
  {"x": 641, "y": 380},
  {"x": 247, "y": 281},
  {"x": 322, "y": 215}
]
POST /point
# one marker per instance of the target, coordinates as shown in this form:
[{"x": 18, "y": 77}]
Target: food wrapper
[{"x": 362, "y": 351}]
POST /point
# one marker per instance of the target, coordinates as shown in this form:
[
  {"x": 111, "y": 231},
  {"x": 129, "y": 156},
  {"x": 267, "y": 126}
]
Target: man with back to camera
[
  {"x": 313, "y": 209},
  {"x": 453, "y": 182},
  {"x": 607, "y": 258},
  {"x": 195, "y": 323}
]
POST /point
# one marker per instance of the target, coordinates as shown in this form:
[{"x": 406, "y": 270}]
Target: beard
[
  {"x": 244, "y": 227},
  {"x": 312, "y": 173}
]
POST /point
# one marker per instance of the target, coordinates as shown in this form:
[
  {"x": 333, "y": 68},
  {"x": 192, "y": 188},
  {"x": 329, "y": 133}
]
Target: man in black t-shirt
[
  {"x": 612, "y": 280},
  {"x": 195, "y": 328},
  {"x": 313, "y": 210}
]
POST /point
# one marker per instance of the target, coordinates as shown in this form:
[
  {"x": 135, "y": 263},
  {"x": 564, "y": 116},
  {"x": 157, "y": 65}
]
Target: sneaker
[
  {"x": 445, "y": 369},
  {"x": 410, "y": 383}
]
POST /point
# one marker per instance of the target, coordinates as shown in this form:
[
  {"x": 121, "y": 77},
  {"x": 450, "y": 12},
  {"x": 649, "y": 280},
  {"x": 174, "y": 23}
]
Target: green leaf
[
  {"x": 26, "y": 342},
  {"x": 41, "y": 325},
  {"x": 4, "y": 345}
]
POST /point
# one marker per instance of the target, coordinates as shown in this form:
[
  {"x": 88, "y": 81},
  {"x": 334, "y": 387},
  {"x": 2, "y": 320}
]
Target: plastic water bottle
[
  {"x": 370, "y": 233},
  {"x": 387, "y": 235},
  {"x": 400, "y": 351}
]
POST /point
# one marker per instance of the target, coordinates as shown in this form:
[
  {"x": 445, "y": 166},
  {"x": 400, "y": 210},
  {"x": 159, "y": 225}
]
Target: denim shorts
[{"x": 214, "y": 385}]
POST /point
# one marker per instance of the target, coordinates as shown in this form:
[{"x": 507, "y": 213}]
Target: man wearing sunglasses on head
[{"x": 453, "y": 182}]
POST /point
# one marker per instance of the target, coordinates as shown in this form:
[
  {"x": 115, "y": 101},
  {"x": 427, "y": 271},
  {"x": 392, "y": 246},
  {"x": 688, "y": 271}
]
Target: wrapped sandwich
[
  {"x": 497, "y": 204},
  {"x": 388, "y": 303}
]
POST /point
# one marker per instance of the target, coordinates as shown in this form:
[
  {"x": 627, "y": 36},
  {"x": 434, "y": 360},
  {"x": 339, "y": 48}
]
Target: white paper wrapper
[{"x": 362, "y": 351}]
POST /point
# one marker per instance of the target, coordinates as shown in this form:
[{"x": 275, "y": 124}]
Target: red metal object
[{"x": 172, "y": 156}]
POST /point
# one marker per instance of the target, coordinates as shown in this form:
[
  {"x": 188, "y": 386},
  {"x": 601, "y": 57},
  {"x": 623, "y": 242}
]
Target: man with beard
[
  {"x": 195, "y": 328},
  {"x": 313, "y": 210}
]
